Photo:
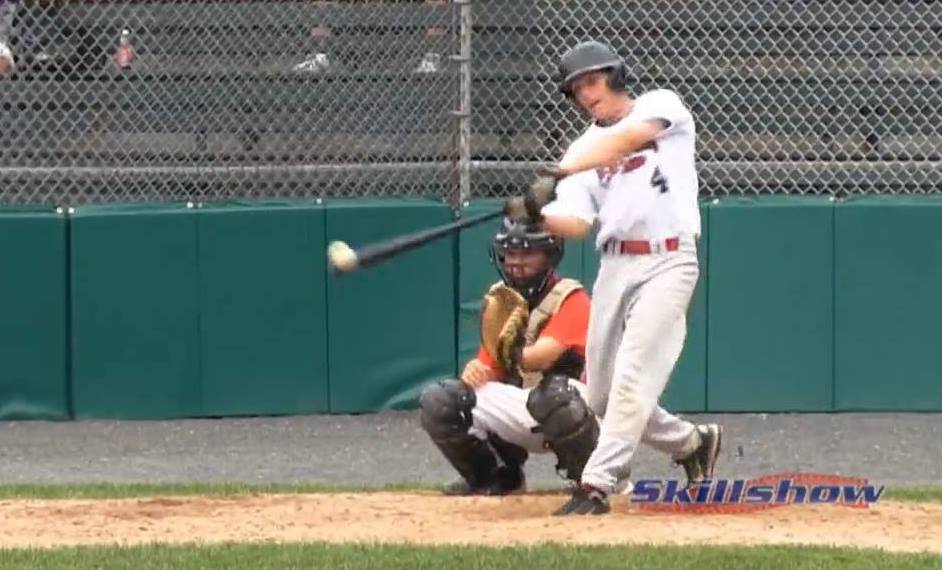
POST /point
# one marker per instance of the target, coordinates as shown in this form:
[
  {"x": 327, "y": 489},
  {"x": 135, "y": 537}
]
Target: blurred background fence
[{"x": 126, "y": 101}]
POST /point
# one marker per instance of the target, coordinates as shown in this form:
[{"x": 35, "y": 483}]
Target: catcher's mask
[
  {"x": 588, "y": 57},
  {"x": 519, "y": 236}
]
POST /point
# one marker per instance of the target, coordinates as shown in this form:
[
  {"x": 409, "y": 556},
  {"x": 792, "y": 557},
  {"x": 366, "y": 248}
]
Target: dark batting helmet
[
  {"x": 518, "y": 235},
  {"x": 588, "y": 57}
]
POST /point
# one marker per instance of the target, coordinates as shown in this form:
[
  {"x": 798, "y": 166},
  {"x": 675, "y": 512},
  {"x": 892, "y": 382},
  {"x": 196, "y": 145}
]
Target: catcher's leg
[
  {"x": 501, "y": 409},
  {"x": 501, "y": 413},
  {"x": 445, "y": 413},
  {"x": 510, "y": 475},
  {"x": 568, "y": 426}
]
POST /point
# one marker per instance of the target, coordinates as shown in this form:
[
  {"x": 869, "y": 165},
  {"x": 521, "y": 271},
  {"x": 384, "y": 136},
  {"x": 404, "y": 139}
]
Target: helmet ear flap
[
  {"x": 565, "y": 88},
  {"x": 618, "y": 77},
  {"x": 617, "y": 81}
]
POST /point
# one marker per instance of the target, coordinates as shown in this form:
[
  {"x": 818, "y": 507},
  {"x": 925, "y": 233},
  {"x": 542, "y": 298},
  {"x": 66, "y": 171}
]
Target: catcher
[{"x": 520, "y": 395}]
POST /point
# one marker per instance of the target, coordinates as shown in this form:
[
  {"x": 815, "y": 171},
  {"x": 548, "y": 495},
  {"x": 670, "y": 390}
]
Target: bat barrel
[{"x": 377, "y": 252}]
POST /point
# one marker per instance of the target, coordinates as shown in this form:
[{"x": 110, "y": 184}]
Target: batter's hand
[
  {"x": 554, "y": 171},
  {"x": 515, "y": 209},
  {"x": 477, "y": 374},
  {"x": 541, "y": 192}
]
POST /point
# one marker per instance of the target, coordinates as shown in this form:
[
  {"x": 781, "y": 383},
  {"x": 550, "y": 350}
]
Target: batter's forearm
[
  {"x": 596, "y": 157},
  {"x": 611, "y": 148},
  {"x": 567, "y": 227}
]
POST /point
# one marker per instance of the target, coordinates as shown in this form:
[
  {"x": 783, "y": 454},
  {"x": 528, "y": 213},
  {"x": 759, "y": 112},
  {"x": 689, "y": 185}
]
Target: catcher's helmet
[
  {"x": 588, "y": 57},
  {"x": 517, "y": 235}
]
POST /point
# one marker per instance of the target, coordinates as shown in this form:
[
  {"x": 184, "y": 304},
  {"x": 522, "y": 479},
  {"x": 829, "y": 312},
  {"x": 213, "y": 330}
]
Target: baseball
[{"x": 341, "y": 256}]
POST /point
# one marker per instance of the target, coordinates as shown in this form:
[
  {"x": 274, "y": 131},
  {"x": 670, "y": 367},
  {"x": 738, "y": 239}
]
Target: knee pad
[
  {"x": 445, "y": 409},
  {"x": 554, "y": 404},
  {"x": 445, "y": 414},
  {"x": 569, "y": 427}
]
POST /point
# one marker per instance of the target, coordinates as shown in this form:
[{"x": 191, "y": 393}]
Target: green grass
[
  {"x": 113, "y": 490},
  {"x": 284, "y": 556},
  {"x": 917, "y": 493}
]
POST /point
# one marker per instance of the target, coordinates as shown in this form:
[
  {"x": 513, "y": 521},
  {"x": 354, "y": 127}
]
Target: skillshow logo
[{"x": 749, "y": 495}]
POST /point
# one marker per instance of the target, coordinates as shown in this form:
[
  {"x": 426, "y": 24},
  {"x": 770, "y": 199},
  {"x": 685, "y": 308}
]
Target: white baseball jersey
[{"x": 650, "y": 194}]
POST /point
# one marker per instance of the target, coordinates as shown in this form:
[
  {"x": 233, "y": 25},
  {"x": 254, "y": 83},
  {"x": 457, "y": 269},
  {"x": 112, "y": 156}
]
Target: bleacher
[{"x": 782, "y": 103}]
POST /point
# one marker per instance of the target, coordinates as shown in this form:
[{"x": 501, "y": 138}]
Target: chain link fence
[
  {"x": 202, "y": 100},
  {"x": 807, "y": 97}
]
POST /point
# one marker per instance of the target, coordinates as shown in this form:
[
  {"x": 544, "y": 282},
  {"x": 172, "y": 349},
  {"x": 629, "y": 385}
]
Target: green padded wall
[
  {"x": 135, "y": 329},
  {"x": 263, "y": 319},
  {"x": 230, "y": 310},
  {"x": 391, "y": 327},
  {"x": 888, "y": 313},
  {"x": 33, "y": 346},
  {"x": 770, "y": 306},
  {"x": 476, "y": 273},
  {"x": 686, "y": 391}
]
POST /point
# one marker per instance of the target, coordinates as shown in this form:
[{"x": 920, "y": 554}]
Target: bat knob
[{"x": 342, "y": 256}]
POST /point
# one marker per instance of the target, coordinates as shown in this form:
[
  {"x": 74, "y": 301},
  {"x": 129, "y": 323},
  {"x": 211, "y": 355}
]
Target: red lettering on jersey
[
  {"x": 633, "y": 163},
  {"x": 624, "y": 165},
  {"x": 649, "y": 146}
]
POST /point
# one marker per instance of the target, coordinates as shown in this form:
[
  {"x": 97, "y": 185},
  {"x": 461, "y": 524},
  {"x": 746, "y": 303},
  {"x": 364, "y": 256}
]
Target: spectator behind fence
[
  {"x": 39, "y": 31},
  {"x": 7, "y": 62},
  {"x": 36, "y": 25}
]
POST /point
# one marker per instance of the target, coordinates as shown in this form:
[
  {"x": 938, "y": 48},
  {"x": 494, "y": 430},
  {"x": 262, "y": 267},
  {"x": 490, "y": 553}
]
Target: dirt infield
[{"x": 427, "y": 518}]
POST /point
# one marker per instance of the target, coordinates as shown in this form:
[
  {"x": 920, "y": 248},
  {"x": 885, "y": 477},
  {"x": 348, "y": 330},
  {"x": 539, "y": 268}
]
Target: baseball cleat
[
  {"x": 462, "y": 488},
  {"x": 699, "y": 465},
  {"x": 506, "y": 481},
  {"x": 585, "y": 500}
]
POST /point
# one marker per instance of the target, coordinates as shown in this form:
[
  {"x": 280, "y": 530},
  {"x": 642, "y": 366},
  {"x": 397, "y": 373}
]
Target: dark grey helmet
[
  {"x": 517, "y": 235},
  {"x": 588, "y": 57}
]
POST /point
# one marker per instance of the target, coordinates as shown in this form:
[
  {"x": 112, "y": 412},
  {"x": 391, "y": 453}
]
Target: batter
[{"x": 633, "y": 173}]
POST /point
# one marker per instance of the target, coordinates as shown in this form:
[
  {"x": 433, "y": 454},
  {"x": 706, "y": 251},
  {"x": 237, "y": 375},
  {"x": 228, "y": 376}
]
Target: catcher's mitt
[{"x": 504, "y": 315}]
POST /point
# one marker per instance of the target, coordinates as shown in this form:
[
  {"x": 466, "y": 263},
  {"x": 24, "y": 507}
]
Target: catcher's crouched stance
[{"x": 521, "y": 394}]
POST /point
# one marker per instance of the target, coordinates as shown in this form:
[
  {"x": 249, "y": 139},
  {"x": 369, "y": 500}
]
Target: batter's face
[
  {"x": 524, "y": 263},
  {"x": 592, "y": 92}
]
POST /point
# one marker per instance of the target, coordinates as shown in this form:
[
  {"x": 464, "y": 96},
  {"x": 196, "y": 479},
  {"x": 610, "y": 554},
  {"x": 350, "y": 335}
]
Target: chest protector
[{"x": 570, "y": 363}]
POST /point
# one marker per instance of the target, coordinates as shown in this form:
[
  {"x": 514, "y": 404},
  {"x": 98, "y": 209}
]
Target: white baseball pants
[
  {"x": 501, "y": 409},
  {"x": 637, "y": 329}
]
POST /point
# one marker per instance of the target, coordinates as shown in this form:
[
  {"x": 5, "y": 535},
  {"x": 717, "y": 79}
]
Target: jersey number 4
[{"x": 658, "y": 180}]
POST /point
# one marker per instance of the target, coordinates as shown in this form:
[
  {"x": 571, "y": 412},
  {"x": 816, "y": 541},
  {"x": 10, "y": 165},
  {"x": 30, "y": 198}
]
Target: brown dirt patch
[{"x": 428, "y": 518}]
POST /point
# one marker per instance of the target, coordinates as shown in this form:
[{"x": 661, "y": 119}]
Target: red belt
[{"x": 638, "y": 247}]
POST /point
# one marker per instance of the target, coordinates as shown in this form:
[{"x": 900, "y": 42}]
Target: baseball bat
[{"x": 344, "y": 259}]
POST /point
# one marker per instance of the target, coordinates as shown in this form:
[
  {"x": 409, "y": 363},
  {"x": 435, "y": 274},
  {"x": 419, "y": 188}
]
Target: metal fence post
[{"x": 465, "y": 28}]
